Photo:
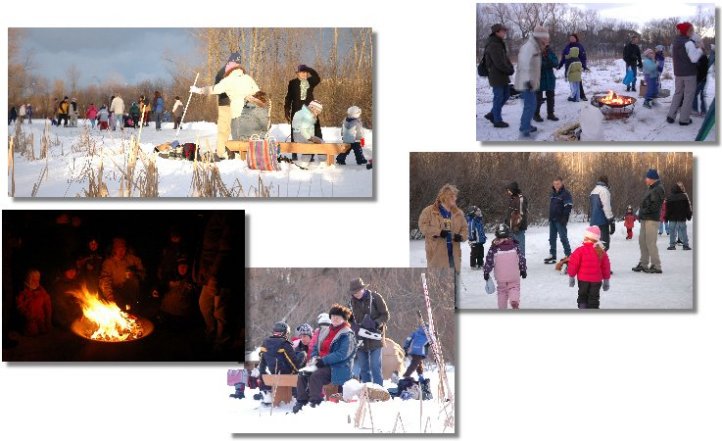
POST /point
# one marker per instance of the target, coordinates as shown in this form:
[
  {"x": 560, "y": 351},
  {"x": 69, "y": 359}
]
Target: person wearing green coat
[
  {"x": 547, "y": 83},
  {"x": 574, "y": 74}
]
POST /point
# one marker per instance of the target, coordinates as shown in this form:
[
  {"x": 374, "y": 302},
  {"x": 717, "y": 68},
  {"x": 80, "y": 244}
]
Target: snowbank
[
  {"x": 644, "y": 124},
  {"x": 545, "y": 288},
  {"x": 68, "y": 162}
]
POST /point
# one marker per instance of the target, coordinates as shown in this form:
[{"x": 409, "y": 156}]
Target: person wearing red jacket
[
  {"x": 34, "y": 304},
  {"x": 590, "y": 264},
  {"x": 629, "y": 219}
]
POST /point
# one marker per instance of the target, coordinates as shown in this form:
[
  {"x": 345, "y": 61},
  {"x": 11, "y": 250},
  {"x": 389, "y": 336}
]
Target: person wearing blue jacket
[
  {"x": 547, "y": 84},
  {"x": 477, "y": 238},
  {"x": 560, "y": 207},
  {"x": 158, "y": 105},
  {"x": 600, "y": 210},
  {"x": 332, "y": 359},
  {"x": 650, "y": 69},
  {"x": 278, "y": 355},
  {"x": 416, "y": 346}
]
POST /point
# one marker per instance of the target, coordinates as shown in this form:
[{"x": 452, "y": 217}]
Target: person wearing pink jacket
[
  {"x": 590, "y": 264},
  {"x": 507, "y": 261}
]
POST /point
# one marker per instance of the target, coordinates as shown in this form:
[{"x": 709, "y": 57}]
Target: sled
[
  {"x": 282, "y": 386},
  {"x": 331, "y": 150}
]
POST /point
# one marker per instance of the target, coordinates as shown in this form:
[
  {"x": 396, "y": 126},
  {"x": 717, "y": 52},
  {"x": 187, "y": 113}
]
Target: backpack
[{"x": 482, "y": 69}]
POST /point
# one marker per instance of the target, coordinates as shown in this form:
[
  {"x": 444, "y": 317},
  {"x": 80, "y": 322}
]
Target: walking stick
[{"x": 185, "y": 109}]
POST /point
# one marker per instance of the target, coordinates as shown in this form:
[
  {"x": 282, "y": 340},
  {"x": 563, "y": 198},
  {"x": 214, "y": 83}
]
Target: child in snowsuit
[
  {"x": 629, "y": 219},
  {"x": 416, "y": 346},
  {"x": 508, "y": 263},
  {"x": 238, "y": 379},
  {"x": 663, "y": 223},
  {"x": 590, "y": 264},
  {"x": 659, "y": 59},
  {"x": 34, "y": 305},
  {"x": 352, "y": 132},
  {"x": 477, "y": 238},
  {"x": 574, "y": 74},
  {"x": 650, "y": 69},
  {"x": 103, "y": 118}
]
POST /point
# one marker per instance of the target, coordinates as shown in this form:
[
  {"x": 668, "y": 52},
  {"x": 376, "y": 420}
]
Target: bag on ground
[{"x": 263, "y": 154}]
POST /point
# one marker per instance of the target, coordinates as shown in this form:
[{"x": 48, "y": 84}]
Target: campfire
[
  {"x": 104, "y": 321},
  {"x": 614, "y": 106}
]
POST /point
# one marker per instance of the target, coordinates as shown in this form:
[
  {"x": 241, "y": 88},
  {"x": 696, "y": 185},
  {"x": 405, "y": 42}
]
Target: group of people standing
[
  {"x": 535, "y": 79},
  {"x": 25, "y": 111},
  {"x": 444, "y": 228}
]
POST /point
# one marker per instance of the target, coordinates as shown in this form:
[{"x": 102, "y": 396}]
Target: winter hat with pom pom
[
  {"x": 593, "y": 233},
  {"x": 684, "y": 27}
]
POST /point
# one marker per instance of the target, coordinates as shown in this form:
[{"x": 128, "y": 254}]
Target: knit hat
[
  {"x": 593, "y": 232},
  {"x": 323, "y": 319},
  {"x": 315, "y": 105},
  {"x": 235, "y": 57},
  {"x": 684, "y": 27},
  {"x": 340, "y": 311},
  {"x": 659, "y": 48},
  {"x": 498, "y": 27},
  {"x": 541, "y": 32},
  {"x": 304, "y": 329},
  {"x": 353, "y": 112},
  {"x": 652, "y": 174}
]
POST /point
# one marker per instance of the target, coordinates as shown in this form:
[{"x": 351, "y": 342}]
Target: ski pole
[{"x": 185, "y": 109}]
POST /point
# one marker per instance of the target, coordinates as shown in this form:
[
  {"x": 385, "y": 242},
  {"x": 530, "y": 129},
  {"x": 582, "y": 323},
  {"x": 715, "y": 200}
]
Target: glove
[
  {"x": 444, "y": 233},
  {"x": 523, "y": 274},
  {"x": 605, "y": 284},
  {"x": 612, "y": 227},
  {"x": 572, "y": 280},
  {"x": 195, "y": 89},
  {"x": 458, "y": 238},
  {"x": 320, "y": 363},
  {"x": 486, "y": 276},
  {"x": 255, "y": 373},
  {"x": 527, "y": 85}
]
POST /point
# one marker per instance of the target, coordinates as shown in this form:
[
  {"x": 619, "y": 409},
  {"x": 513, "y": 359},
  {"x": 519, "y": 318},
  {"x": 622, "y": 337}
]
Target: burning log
[
  {"x": 103, "y": 320},
  {"x": 612, "y": 99}
]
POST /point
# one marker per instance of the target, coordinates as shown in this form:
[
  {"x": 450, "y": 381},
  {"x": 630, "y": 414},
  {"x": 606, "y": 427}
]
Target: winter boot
[
  {"x": 360, "y": 160},
  {"x": 501, "y": 124},
  {"x": 267, "y": 399},
  {"x": 240, "y": 387},
  {"x": 685, "y": 123},
  {"x": 672, "y": 247},
  {"x": 258, "y": 396},
  {"x": 489, "y": 116},
  {"x": 686, "y": 248},
  {"x": 315, "y": 403},
  {"x": 299, "y": 405},
  {"x": 654, "y": 270},
  {"x": 425, "y": 389},
  {"x": 647, "y": 104},
  {"x": 552, "y": 117},
  {"x": 550, "y": 260},
  {"x": 639, "y": 268},
  {"x": 538, "y": 118},
  {"x": 341, "y": 159},
  {"x": 670, "y": 120}
]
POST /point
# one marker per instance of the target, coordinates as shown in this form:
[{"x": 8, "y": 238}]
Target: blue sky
[{"x": 641, "y": 13}]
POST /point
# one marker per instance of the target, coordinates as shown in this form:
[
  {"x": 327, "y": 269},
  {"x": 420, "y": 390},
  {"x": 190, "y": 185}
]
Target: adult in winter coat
[
  {"x": 74, "y": 111},
  {"x": 507, "y": 261},
  {"x": 477, "y": 237},
  {"x": 560, "y": 207},
  {"x": 63, "y": 112},
  {"x": 278, "y": 355},
  {"x": 121, "y": 274},
  {"x": 90, "y": 264},
  {"x": 517, "y": 214},
  {"x": 369, "y": 317},
  {"x": 650, "y": 211},
  {"x": 679, "y": 211},
  {"x": 117, "y": 108},
  {"x": 34, "y": 305},
  {"x": 499, "y": 65},
  {"x": 332, "y": 361},
  {"x": 352, "y": 132},
  {"x": 699, "y": 105},
  {"x": 29, "y": 113},
  {"x": 158, "y": 108},
  {"x": 134, "y": 113},
  {"x": 685, "y": 54},
  {"x": 65, "y": 307},
  {"x": 299, "y": 94},
  {"x": 547, "y": 83},
  {"x": 21, "y": 113},
  {"x": 416, "y": 346},
  {"x": 632, "y": 57},
  {"x": 12, "y": 115},
  {"x": 564, "y": 62},
  {"x": 254, "y": 119},
  {"x": 90, "y": 114},
  {"x": 528, "y": 75},
  {"x": 177, "y": 112},
  {"x": 590, "y": 265},
  {"x": 223, "y": 123},
  {"x": 600, "y": 210},
  {"x": 444, "y": 228}
]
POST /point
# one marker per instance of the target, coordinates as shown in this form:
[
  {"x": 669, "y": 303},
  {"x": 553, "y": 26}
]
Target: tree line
[
  {"x": 343, "y": 58},
  {"x": 482, "y": 179},
  {"x": 601, "y": 37},
  {"x": 298, "y": 295}
]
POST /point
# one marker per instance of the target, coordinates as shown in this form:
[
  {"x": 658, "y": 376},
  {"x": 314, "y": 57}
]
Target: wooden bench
[
  {"x": 329, "y": 149},
  {"x": 282, "y": 385}
]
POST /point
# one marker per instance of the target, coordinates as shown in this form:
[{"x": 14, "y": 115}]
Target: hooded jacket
[
  {"x": 586, "y": 265},
  {"x": 352, "y": 130},
  {"x": 600, "y": 205},
  {"x": 574, "y": 68},
  {"x": 679, "y": 207},
  {"x": 417, "y": 343}
]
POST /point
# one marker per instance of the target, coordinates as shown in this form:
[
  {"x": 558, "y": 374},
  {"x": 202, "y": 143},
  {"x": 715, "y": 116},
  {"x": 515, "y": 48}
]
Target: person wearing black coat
[
  {"x": 649, "y": 212},
  {"x": 632, "y": 56},
  {"x": 699, "y": 105},
  {"x": 300, "y": 92},
  {"x": 12, "y": 115},
  {"x": 517, "y": 216},
  {"x": 679, "y": 211},
  {"x": 500, "y": 69},
  {"x": 560, "y": 207},
  {"x": 278, "y": 355},
  {"x": 369, "y": 315}
]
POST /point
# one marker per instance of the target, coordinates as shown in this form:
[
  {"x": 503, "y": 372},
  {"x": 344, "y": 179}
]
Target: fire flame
[
  {"x": 105, "y": 320},
  {"x": 615, "y": 100}
]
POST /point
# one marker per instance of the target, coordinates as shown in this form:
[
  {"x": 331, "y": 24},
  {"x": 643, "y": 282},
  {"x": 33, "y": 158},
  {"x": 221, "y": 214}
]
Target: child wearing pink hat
[{"x": 590, "y": 264}]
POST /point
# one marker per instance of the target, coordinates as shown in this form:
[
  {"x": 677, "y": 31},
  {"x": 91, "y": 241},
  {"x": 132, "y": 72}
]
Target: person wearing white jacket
[
  {"x": 528, "y": 73},
  {"x": 117, "y": 108},
  {"x": 236, "y": 84}
]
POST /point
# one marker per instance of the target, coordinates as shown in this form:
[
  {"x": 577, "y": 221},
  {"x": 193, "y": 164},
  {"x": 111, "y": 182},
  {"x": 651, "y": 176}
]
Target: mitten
[{"x": 572, "y": 280}]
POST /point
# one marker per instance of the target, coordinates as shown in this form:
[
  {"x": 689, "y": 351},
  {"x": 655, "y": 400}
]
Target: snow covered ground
[
  {"x": 643, "y": 125},
  {"x": 545, "y": 288},
  {"x": 250, "y": 416},
  {"x": 67, "y": 164}
]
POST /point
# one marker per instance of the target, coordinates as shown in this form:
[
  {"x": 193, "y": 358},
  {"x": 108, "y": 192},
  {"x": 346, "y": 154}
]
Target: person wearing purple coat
[{"x": 564, "y": 62}]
